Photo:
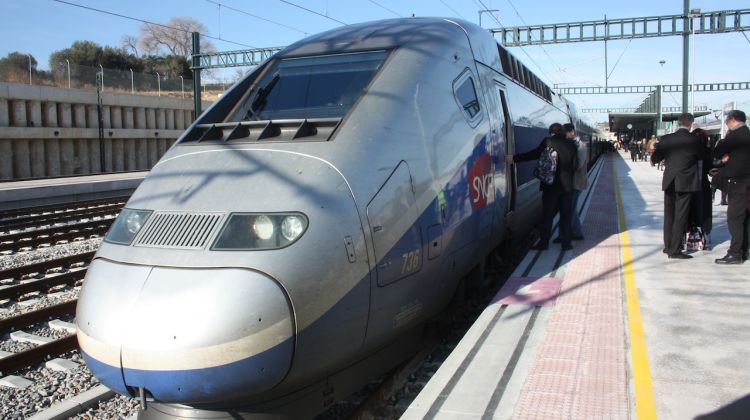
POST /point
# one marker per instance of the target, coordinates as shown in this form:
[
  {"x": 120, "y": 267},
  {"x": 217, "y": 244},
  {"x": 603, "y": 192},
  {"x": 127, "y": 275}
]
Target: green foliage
[
  {"x": 171, "y": 66},
  {"x": 15, "y": 67},
  {"x": 91, "y": 54}
]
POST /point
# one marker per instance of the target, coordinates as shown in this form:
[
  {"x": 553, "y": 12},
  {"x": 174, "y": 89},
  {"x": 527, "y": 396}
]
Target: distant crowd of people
[{"x": 694, "y": 167}]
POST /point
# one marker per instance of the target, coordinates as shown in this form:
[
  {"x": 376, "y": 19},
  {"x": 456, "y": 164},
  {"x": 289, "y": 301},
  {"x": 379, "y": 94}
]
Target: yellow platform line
[{"x": 645, "y": 405}]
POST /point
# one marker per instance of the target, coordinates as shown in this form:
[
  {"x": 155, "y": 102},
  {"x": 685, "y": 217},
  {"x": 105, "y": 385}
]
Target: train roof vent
[
  {"x": 310, "y": 129},
  {"x": 178, "y": 230}
]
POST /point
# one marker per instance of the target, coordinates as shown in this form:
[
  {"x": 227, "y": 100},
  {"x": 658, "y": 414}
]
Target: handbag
[{"x": 695, "y": 240}]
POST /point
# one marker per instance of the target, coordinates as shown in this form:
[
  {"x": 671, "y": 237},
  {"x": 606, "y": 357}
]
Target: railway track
[
  {"x": 41, "y": 213},
  {"x": 66, "y": 271},
  {"x": 47, "y": 348},
  {"x": 33, "y": 227}
]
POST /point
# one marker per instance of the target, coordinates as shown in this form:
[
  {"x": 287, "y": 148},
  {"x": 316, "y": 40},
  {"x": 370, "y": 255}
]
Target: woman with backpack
[{"x": 557, "y": 155}]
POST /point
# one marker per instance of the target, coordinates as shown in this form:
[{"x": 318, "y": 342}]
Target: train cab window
[
  {"x": 310, "y": 87},
  {"x": 466, "y": 95}
]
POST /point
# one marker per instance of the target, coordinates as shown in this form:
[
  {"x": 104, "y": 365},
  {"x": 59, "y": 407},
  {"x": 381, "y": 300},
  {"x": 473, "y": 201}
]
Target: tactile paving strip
[{"x": 580, "y": 370}]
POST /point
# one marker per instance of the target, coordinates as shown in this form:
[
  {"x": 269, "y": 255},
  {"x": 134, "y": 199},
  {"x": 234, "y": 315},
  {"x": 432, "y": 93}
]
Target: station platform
[
  {"x": 610, "y": 330},
  {"x": 47, "y": 191}
]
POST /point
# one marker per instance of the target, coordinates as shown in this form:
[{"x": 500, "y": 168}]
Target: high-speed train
[{"x": 291, "y": 243}]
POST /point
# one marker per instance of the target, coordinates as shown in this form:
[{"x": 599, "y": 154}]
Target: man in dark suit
[
  {"x": 734, "y": 151},
  {"x": 681, "y": 151},
  {"x": 559, "y": 195}
]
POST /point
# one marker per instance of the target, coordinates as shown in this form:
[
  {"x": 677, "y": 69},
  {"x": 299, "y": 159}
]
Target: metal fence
[{"x": 75, "y": 76}]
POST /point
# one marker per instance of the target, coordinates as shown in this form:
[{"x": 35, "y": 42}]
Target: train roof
[{"x": 380, "y": 34}]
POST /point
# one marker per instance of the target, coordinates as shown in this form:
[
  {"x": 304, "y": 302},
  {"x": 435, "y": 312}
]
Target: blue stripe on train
[{"x": 247, "y": 376}]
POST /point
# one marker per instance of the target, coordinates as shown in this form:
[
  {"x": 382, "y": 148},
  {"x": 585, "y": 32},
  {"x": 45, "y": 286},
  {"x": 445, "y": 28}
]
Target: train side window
[
  {"x": 504, "y": 60},
  {"x": 466, "y": 95},
  {"x": 527, "y": 77}
]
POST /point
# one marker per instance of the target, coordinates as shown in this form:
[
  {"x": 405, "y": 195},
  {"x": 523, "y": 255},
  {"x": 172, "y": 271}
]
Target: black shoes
[
  {"x": 680, "y": 256},
  {"x": 567, "y": 247},
  {"x": 540, "y": 247},
  {"x": 729, "y": 259}
]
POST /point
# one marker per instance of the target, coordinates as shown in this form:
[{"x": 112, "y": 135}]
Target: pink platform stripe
[{"x": 531, "y": 291}]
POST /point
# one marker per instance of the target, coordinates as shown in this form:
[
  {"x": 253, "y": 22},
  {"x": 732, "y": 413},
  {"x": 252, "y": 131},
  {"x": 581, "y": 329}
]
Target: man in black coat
[
  {"x": 559, "y": 195},
  {"x": 734, "y": 151},
  {"x": 682, "y": 152}
]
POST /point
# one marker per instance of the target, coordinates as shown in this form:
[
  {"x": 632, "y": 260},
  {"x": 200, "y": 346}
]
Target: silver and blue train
[{"x": 292, "y": 242}]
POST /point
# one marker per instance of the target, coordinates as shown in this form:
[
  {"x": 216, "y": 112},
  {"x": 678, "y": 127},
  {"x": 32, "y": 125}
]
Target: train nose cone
[{"x": 185, "y": 335}]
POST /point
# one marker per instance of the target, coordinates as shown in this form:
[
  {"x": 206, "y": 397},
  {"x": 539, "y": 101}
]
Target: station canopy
[{"x": 642, "y": 120}]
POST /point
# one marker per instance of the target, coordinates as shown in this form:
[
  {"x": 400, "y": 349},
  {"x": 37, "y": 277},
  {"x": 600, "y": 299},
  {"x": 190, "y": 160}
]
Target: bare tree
[
  {"x": 130, "y": 44},
  {"x": 172, "y": 40}
]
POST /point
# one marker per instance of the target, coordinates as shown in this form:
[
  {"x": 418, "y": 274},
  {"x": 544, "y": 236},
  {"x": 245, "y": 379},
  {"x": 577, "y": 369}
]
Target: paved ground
[
  {"x": 696, "y": 314},
  {"x": 528, "y": 357}
]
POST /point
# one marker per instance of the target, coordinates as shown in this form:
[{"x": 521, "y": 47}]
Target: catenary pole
[
  {"x": 685, "y": 55},
  {"x": 196, "y": 74}
]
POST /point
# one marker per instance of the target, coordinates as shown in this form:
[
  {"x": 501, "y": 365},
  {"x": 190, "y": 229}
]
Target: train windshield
[{"x": 310, "y": 87}]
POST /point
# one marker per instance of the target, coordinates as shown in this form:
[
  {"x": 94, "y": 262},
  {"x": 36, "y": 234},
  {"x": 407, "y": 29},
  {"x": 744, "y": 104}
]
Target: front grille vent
[{"x": 179, "y": 230}]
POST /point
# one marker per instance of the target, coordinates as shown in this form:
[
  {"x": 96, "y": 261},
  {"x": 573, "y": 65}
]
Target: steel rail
[
  {"x": 40, "y": 315},
  {"x": 41, "y": 236},
  {"x": 38, "y": 354},
  {"x": 60, "y": 217},
  {"x": 24, "y": 212},
  {"x": 44, "y": 266},
  {"x": 45, "y": 284}
]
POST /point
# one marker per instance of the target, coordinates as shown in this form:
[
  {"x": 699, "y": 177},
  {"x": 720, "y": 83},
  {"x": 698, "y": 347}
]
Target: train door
[
  {"x": 394, "y": 223},
  {"x": 507, "y": 124},
  {"x": 498, "y": 140}
]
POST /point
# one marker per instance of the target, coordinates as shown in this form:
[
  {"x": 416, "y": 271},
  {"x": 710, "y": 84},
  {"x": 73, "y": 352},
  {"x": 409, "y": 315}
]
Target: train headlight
[
  {"x": 263, "y": 227},
  {"x": 127, "y": 225},
  {"x": 248, "y": 231},
  {"x": 292, "y": 227}
]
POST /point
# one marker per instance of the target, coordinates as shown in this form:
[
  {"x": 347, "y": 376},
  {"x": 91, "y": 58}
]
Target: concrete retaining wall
[{"x": 48, "y": 132}]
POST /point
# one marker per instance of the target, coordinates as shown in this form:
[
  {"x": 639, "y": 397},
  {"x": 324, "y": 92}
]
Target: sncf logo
[{"x": 480, "y": 181}]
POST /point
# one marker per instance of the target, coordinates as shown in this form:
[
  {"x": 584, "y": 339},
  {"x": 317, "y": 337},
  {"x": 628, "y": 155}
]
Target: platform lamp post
[
  {"x": 182, "y": 86},
  {"x": 29, "y": 68},
  {"x": 132, "y": 82},
  {"x": 158, "y": 83}
]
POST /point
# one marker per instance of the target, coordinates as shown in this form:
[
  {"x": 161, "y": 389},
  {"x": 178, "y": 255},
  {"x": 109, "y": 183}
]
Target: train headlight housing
[
  {"x": 255, "y": 231},
  {"x": 127, "y": 225}
]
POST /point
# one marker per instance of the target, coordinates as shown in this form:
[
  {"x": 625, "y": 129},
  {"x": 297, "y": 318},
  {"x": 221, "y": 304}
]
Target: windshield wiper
[{"x": 261, "y": 98}]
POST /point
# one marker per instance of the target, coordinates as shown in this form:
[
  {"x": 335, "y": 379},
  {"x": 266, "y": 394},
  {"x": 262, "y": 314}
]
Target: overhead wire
[
  {"x": 619, "y": 58},
  {"x": 148, "y": 22},
  {"x": 540, "y": 46},
  {"x": 522, "y": 49},
  {"x": 312, "y": 11},
  {"x": 385, "y": 8},
  {"x": 257, "y": 17},
  {"x": 452, "y": 9}
]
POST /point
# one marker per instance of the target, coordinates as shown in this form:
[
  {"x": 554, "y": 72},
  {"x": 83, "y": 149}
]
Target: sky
[{"x": 40, "y": 27}]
